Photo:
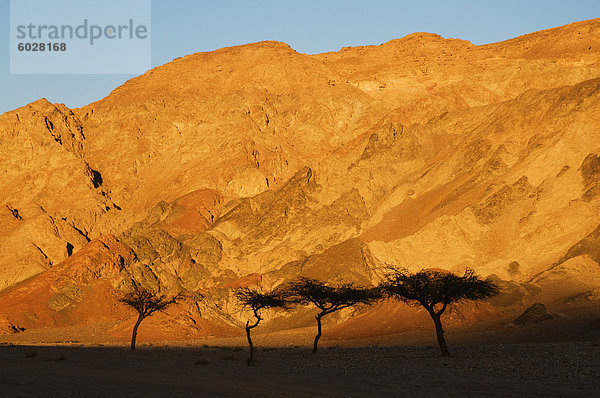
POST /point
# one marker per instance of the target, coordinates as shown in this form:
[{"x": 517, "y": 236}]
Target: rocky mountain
[{"x": 256, "y": 164}]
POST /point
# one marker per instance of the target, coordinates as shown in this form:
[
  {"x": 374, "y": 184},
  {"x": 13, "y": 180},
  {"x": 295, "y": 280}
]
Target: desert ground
[{"x": 558, "y": 357}]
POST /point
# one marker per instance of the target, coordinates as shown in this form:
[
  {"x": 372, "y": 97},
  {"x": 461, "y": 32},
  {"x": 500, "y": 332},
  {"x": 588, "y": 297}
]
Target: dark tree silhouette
[
  {"x": 145, "y": 303},
  {"x": 256, "y": 301},
  {"x": 327, "y": 298},
  {"x": 435, "y": 290}
]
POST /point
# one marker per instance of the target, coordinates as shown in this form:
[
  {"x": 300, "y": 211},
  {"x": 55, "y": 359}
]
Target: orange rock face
[
  {"x": 257, "y": 164},
  {"x": 75, "y": 291}
]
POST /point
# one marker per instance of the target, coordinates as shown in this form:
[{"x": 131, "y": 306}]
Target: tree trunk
[
  {"x": 250, "y": 360},
  {"x": 135, "y": 328},
  {"x": 318, "y": 336},
  {"x": 440, "y": 335}
]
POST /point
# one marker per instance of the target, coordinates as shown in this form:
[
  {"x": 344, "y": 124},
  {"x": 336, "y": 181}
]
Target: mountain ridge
[{"x": 256, "y": 163}]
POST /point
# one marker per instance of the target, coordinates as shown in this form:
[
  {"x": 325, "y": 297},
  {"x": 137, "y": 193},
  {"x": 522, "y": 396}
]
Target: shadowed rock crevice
[
  {"x": 590, "y": 172},
  {"x": 96, "y": 178},
  {"x": 14, "y": 212}
]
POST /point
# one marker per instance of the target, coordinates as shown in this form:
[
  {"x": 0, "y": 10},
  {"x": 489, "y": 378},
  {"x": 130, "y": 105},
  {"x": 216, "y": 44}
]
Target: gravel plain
[{"x": 543, "y": 369}]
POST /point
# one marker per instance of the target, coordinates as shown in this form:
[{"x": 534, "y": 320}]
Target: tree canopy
[
  {"x": 146, "y": 302},
  {"x": 255, "y": 300},
  {"x": 437, "y": 288},
  {"x": 329, "y": 298}
]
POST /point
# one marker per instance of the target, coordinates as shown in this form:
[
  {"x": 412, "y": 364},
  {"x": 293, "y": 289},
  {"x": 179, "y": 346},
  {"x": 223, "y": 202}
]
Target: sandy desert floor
[
  {"x": 553, "y": 358},
  {"x": 544, "y": 369}
]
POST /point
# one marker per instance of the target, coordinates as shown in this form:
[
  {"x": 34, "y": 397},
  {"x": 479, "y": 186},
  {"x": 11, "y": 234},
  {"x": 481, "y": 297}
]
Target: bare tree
[
  {"x": 145, "y": 303},
  {"x": 327, "y": 298},
  {"x": 435, "y": 290},
  {"x": 256, "y": 301}
]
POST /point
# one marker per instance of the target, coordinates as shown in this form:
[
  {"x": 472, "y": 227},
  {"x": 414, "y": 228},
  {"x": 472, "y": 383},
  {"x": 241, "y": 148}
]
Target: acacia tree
[
  {"x": 256, "y": 301},
  {"x": 435, "y": 290},
  {"x": 145, "y": 303},
  {"x": 327, "y": 298}
]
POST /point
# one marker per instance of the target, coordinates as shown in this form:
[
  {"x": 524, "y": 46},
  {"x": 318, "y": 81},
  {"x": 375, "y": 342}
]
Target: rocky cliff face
[{"x": 256, "y": 164}]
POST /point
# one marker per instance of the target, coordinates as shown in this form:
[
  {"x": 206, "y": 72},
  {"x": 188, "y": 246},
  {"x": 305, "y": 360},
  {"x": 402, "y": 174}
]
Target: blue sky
[{"x": 181, "y": 27}]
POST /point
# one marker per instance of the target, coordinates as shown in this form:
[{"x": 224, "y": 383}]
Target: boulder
[{"x": 535, "y": 313}]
